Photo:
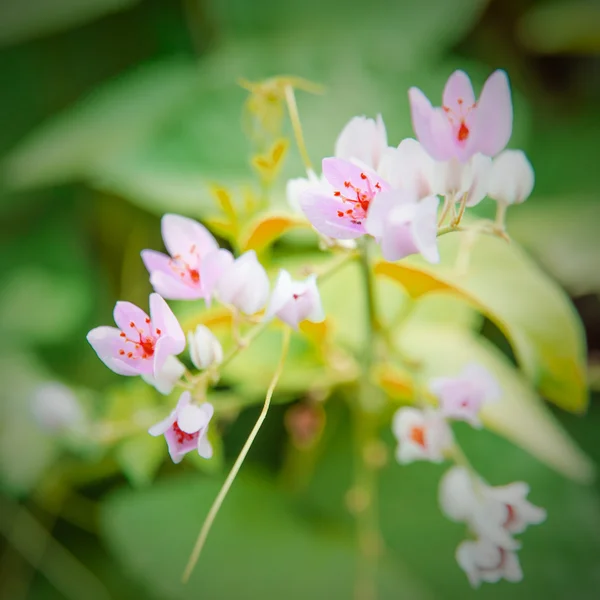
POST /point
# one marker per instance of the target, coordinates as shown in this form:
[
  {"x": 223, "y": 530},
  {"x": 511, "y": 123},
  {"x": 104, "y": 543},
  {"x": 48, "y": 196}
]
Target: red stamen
[
  {"x": 182, "y": 436},
  {"x": 195, "y": 276},
  {"x": 417, "y": 435},
  {"x": 340, "y": 213},
  {"x": 463, "y": 132},
  {"x": 121, "y": 352},
  {"x": 363, "y": 176},
  {"x": 337, "y": 193}
]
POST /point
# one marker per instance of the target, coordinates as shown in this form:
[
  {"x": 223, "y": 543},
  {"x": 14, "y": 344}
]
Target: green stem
[{"x": 365, "y": 418}]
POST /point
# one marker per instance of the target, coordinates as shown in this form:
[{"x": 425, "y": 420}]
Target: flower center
[
  {"x": 182, "y": 436},
  {"x": 143, "y": 347},
  {"x": 417, "y": 435},
  {"x": 187, "y": 273},
  {"x": 510, "y": 516},
  {"x": 358, "y": 199},
  {"x": 458, "y": 119}
]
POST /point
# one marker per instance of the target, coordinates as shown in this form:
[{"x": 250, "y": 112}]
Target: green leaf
[
  {"x": 271, "y": 549},
  {"x": 94, "y": 134},
  {"x": 140, "y": 457},
  {"x": 562, "y": 233},
  {"x": 520, "y": 415},
  {"x": 20, "y": 21},
  {"x": 534, "y": 314}
]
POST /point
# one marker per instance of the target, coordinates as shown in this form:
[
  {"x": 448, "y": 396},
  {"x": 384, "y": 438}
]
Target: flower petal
[
  {"x": 458, "y": 88},
  {"x": 494, "y": 115},
  {"x": 107, "y": 341},
  {"x": 281, "y": 295},
  {"x": 131, "y": 319},
  {"x": 185, "y": 237},
  {"x": 164, "y": 319},
  {"x": 191, "y": 419},
  {"x": 322, "y": 211}
]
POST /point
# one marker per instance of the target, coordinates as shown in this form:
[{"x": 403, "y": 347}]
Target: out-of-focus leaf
[
  {"x": 520, "y": 415},
  {"x": 93, "y": 134},
  {"x": 26, "y": 452},
  {"x": 264, "y": 230},
  {"x": 21, "y": 20},
  {"x": 528, "y": 307},
  {"x": 567, "y": 27},
  {"x": 272, "y": 549},
  {"x": 140, "y": 457},
  {"x": 563, "y": 233},
  {"x": 406, "y": 31},
  {"x": 39, "y": 306}
]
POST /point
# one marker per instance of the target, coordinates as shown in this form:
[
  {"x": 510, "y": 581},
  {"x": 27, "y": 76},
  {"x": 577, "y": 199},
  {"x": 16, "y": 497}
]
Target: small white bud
[
  {"x": 512, "y": 177},
  {"x": 205, "y": 348}
]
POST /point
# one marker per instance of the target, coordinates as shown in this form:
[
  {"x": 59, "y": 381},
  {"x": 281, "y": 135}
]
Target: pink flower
[
  {"x": 493, "y": 513},
  {"x": 244, "y": 284},
  {"x": 404, "y": 226},
  {"x": 141, "y": 344},
  {"x": 482, "y": 560},
  {"x": 295, "y": 301},
  {"x": 166, "y": 379},
  {"x": 462, "y": 397},
  {"x": 463, "y": 127},
  {"x": 363, "y": 142},
  {"x": 341, "y": 213},
  {"x": 421, "y": 435},
  {"x": 185, "y": 428},
  {"x": 195, "y": 263}
]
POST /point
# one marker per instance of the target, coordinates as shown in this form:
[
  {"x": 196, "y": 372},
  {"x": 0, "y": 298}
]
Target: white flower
[
  {"x": 408, "y": 167},
  {"x": 421, "y": 435},
  {"x": 296, "y": 187},
  {"x": 55, "y": 407},
  {"x": 170, "y": 373},
  {"x": 482, "y": 560},
  {"x": 493, "y": 513},
  {"x": 244, "y": 284},
  {"x": 363, "y": 141},
  {"x": 404, "y": 226},
  {"x": 462, "y": 397},
  {"x": 471, "y": 178},
  {"x": 295, "y": 301},
  {"x": 205, "y": 348},
  {"x": 512, "y": 177}
]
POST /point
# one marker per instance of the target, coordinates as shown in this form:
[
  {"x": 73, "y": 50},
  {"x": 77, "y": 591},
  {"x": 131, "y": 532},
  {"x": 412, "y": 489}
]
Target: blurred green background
[{"x": 116, "y": 111}]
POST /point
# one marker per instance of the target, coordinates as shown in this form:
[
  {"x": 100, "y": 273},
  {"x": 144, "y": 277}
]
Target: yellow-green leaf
[
  {"x": 262, "y": 232},
  {"x": 531, "y": 310}
]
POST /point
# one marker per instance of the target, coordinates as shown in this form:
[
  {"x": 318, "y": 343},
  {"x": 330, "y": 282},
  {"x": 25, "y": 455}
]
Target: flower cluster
[
  {"x": 392, "y": 193},
  {"x": 368, "y": 188},
  {"x": 148, "y": 345},
  {"x": 493, "y": 514}
]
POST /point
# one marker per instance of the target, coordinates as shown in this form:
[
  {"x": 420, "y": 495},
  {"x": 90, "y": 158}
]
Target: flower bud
[
  {"x": 512, "y": 177},
  {"x": 244, "y": 284},
  {"x": 205, "y": 348}
]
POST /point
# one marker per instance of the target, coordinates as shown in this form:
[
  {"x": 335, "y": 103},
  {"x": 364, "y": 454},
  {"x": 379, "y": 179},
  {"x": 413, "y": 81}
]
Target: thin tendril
[
  {"x": 216, "y": 506},
  {"x": 295, "y": 119}
]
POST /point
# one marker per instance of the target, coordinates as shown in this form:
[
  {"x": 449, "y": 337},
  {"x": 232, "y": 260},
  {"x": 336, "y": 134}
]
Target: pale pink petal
[
  {"x": 446, "y": 144},
  {"x": 126, "y": 314},
  {"x": 379, "y": 210},
  {"x": 107, "y": 341},
  {"x": 185, "y": 237},
  {"x": 164, "y": 320},
  {"x": 362, "y": 140},
  {"x": 163, "y": 426},
  {"x": 494, "y": 115},
  {"x": 281, "y": 295},
  {"x": 424, "y": 228},
  {"x": 481, "y": 169},
  {"x": 211, "y": 269},
  {"x": 205, "y": 449},
  {"x": 165, "y": 280},
  {"x": 458, "y": 92},
  {"x": 511, "y": 177},
  {"x": 316, "y": 313},
  {"x": 167, "y": 377},
  {"x": 322, "y": 211},
  {"x": 339, "y": 172},
  {"x": 191, "y": 419}
]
